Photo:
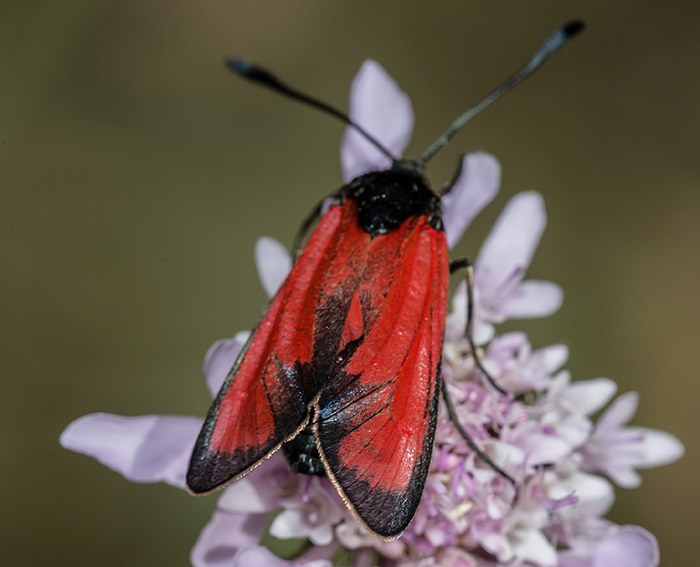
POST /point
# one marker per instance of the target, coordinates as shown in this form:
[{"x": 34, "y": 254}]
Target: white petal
[
  {"x": 263, "y": 489},
  {"x": 497, "y": 545},
  {"x": 255, "y": 555},
  {"x": 145, "y": 448},
  {"x": 513, "y": 240},
  {"x": 259, "y": 556},
  {"x": 273, "y": 262},
  {"x": 533, "y": 299},
  {"x": 482, "y": 331},
  {"x": 244, "y": 497},
  {"x": 383, "y": 109},
  {"x": 220, "y": 358},
  {"x": 457, "y": 319},
  {"x": 554, "y": 356},
  {"x": 619, "y": 412},
  {"x": 589, "y": 396},
  {"x": 222, "y": 537},
  {"x": 509, "y": 344},
  {"x": 570, "y": 559},
  {"x": 508, "y": 456},
  {"x": 536, "y": 548},
  {"x": 544, "y": 449},
  {"x": 352, "y": 536},
  {"x": 289, "y": 524},
  {"x": 659, "y": 448},
  {"x": 623, "y": 475},
  {"x": 476, "y": 186},
  {"x": 575, "y": 430},
  {"x": 595, "y": 495},
  {"x": 631, "y": 546}
]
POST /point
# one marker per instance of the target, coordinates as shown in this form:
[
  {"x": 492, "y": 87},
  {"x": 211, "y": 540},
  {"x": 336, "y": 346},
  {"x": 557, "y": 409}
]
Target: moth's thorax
[{"x": 385, "y": 199}]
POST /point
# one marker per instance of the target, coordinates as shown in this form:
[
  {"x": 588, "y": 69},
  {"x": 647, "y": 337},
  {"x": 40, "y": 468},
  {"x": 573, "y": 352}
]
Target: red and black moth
[{"x": 343, "y": 370}]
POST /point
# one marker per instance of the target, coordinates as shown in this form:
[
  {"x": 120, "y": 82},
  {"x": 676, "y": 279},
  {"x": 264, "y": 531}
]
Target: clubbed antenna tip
[
  {"x": 573, "y": 28},
  {"x": 549, "y": 47},
  {"x": 257, "y": 74},
  {"x": 262, "y": 76},
  {"x": 239, "y": 66}
]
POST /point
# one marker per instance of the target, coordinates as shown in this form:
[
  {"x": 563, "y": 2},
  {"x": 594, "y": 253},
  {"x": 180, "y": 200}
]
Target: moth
[{"x": 343, "y": 369}]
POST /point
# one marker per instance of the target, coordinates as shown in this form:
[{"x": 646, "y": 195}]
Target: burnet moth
[{"x": 343, "y": 370}]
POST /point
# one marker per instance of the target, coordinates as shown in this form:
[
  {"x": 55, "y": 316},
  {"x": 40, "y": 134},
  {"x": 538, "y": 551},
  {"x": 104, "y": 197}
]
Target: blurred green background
[{"x": 136, "y": 175}]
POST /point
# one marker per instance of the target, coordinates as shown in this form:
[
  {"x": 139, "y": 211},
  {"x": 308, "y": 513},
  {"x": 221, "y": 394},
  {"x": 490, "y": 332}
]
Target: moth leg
[
  {"x": 468, "y": 438},
  {"x": 451, "y": 183},
  {"x": 312, "y": 217},
  {"x": 466, "y": 265}
]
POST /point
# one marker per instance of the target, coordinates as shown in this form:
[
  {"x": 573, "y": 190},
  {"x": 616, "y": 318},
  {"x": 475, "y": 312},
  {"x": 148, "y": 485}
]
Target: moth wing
[
  {"x": 376, "y": 417},
  {"x": 264, "y": 400}
]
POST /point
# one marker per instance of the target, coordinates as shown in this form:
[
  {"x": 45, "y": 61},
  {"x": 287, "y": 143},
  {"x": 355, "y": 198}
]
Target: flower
[
  {"x": 617, "y": 451},
  {"x": 541, "y": 433}
]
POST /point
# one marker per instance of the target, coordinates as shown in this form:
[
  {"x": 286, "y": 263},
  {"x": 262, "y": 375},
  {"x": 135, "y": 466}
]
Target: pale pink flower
[
  {"x": 520, "y": 368},
  {"x": 312, "y": 517},
  {"x": 258, "y": 556},
  {"x": 385, "y": 111},
  {"x": 617, "y": 451},
  {"x": 616, "y": 546},
  {"x": 499, "y": 290}
]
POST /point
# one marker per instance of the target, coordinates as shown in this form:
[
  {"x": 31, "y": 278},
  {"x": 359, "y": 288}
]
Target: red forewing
[
  {"x": 264, "y": 400},
  {"x": 376, "y": 416}
]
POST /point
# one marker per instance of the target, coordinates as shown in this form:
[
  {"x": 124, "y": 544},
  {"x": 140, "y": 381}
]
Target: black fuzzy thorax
[{"x": 385, "y": 199}]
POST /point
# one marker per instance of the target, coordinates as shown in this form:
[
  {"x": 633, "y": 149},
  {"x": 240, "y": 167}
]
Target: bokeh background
[{"x": 136, "y": 175}]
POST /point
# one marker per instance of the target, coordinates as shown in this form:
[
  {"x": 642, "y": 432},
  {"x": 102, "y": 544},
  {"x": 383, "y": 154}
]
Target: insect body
[{"x": 344, "y": 367}]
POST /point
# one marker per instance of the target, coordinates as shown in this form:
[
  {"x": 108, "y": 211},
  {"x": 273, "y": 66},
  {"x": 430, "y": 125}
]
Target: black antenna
[
  {"x": 550, "y": 46},
  {"x": 257, "y": 74}
]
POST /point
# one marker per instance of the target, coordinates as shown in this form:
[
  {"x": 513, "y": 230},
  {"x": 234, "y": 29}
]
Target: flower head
[{"x": 541, "y": 433}]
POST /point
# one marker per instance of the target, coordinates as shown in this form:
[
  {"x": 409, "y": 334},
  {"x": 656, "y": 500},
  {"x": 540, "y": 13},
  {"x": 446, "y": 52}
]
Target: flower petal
[
  {"x": 569, "y": 559},
  {"x": 512, "y": 242},
  {"x": 220, "y": 358},
  {"x": 619, "y": 413},
  {"x": 258, "y": 555},
  {"x": 554, "y": 356},
  {"x": 482, "y": 331},
  {"x": 589, "y": 396},
  {"x": 541, "y": 447},
  {"x": 273, "y": 262},
  {"x": 254, "y": 556},
  {"x": 146, "y": 448},
  {"x": 314, "y": 518},
  {"x": 222, "y": 537},
  {"x": 475, "y": 187},
  {"x": 533, "y": 299},
  {"x": 658, "y": 447},
  {"x": 383, "y": 109},
  {"x": 536, "y": 548},
  {"x": 630, "y": 546},
  {"x": 594, "y": 493},
  {"x": 622, "y": 474},
  {"x": 244, "y": 497},
  {"x": 263, "y": 489}
]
